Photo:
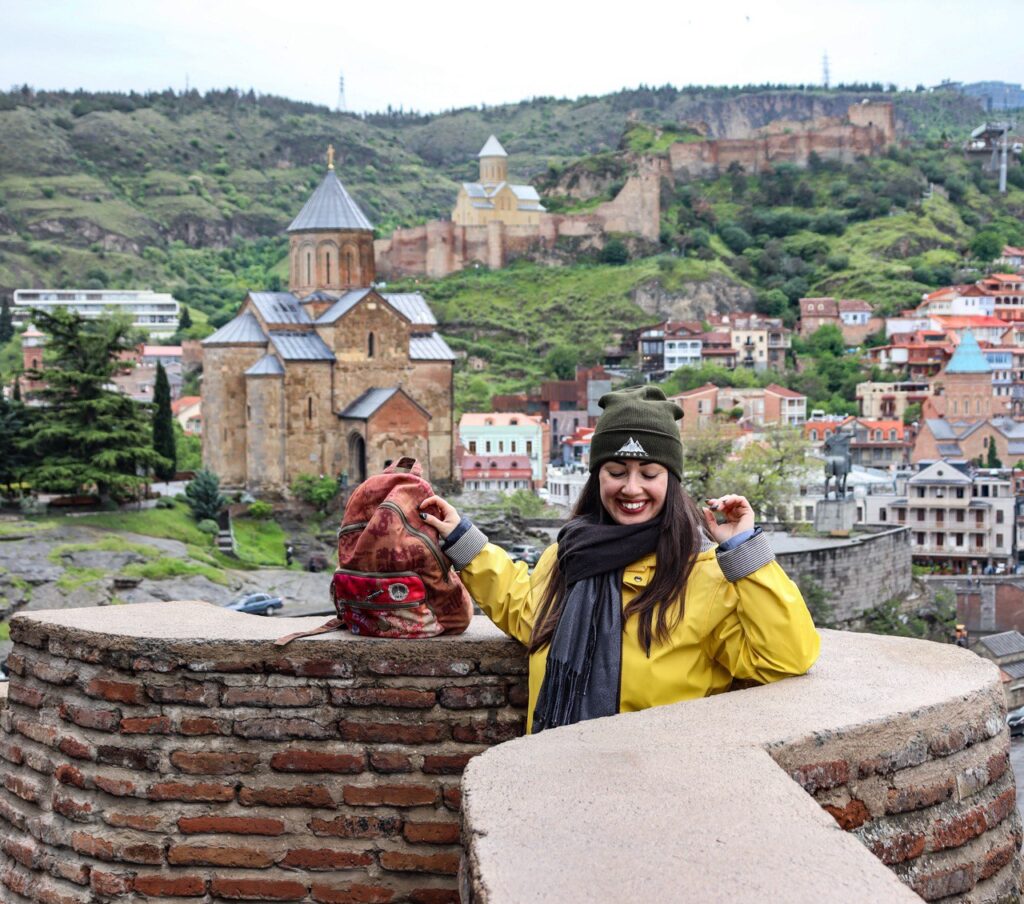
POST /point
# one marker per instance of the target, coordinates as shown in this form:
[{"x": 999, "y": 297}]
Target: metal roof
[
  {"x": 430, "y": 348},
  {"x": 300, "y": 346},
  {"x": 368, "y": 403},
  {"x": 343, "y": 305},
  {"x": 330, "y": 207},
  {"x": 267, "y": 366},
  {"x": 525, "y": 192},
  {"x": 1005, "y": 644},
  {"x": 492, "y": 148},
  {"x": 413, "y": 306},
  {"x": 1014, "y": 669},
  {"x": 279, "y": 307},
  {"x": 968, "y": 358},
  {"x": 243, "y": 329}
]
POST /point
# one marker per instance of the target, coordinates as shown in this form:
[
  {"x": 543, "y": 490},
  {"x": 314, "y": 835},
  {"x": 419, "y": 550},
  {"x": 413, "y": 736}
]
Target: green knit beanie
[{"x": 638, "y": 423}]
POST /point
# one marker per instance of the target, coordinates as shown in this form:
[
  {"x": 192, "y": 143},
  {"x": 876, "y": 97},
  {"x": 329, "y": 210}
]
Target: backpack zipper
[
  {"x": 368, "y": 602},
  {"x": 348, "y": 528},
  {"x": 427, "y": 541}
]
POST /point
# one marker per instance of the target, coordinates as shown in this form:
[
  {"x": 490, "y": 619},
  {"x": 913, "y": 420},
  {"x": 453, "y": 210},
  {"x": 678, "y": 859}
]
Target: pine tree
[
  {"x": 6, "y": 322},
  {"x": 16, "y": 389},
  {"x": 86, "y": 437},
  {"x": 13, "y": 458},
  {"x": 203, "y": 496},
  {"x": 163, "y": 425},
  {"x": 185, "y": 320}
]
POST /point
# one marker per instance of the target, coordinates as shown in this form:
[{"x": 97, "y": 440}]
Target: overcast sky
[{"x": 433, "y": 56}]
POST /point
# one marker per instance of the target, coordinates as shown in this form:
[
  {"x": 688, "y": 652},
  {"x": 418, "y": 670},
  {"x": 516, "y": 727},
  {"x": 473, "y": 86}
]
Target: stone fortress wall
[{"x": 140, "y": 762}]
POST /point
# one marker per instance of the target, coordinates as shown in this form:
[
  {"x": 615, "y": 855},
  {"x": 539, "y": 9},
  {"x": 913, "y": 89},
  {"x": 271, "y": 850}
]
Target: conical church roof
[
  {"x": 493, "y": 148},
  {"x": 968, "y": 357},
  {"x": 330, "y": 207}
]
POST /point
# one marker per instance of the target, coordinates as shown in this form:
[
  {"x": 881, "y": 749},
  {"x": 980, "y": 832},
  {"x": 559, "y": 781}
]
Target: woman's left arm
[{"x": 763, "y": 630}]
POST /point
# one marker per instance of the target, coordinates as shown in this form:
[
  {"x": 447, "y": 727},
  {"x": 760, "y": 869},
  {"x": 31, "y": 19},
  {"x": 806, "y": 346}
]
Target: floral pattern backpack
[{"x": 392, "y": 579}]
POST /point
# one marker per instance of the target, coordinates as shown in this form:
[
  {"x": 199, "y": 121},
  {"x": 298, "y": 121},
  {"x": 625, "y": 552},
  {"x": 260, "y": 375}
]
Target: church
[{"x": 331, "y": 377}]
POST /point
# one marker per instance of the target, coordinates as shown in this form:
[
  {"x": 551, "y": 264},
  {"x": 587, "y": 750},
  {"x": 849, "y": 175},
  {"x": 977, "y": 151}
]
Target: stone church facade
[{"x": 332, "y": 377}]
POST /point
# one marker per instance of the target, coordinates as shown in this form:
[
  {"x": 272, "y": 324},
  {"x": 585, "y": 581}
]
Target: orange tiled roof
[{"x": 184, "y": 402}]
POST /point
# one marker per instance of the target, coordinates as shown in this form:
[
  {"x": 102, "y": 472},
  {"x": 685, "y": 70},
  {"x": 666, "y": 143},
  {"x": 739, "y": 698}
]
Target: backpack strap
[
  {"x": 335, "y": 624},
  {"x": 405, "y": 465}
]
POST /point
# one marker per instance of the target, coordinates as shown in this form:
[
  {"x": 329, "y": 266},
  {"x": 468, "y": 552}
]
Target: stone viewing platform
[{"x": 170, "y": 751}]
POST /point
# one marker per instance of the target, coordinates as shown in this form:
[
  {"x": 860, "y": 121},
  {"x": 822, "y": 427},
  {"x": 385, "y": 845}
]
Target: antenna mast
[
  {"x": 341, "y": 107},
  {"x": 824, "y": 70}
]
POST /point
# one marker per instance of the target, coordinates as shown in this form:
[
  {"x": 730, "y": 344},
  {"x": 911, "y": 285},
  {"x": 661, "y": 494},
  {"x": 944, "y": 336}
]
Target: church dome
[{"x": 330, "y": 207}]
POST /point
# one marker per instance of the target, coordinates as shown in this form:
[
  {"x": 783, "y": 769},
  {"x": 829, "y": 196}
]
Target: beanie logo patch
[{"x": 633, "y": 448}]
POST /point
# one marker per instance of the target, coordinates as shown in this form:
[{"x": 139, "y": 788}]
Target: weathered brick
[
  {"x": 958, "y": 830},
  {"x": 899, "y": 848},
  {"x": 91, "y": 717},
  {"x": 519, "y": 694},
  {"x": 280, "y": 729},
  {"x": 444, "y": 864},
  {"x": 354, "y": 893},
  {"x": 950, "y": 741},
  {"x": 128, "y": 757},
  {"x": 434, "y": 896},
  {"x": 151, "y": 854},
  {"x": 258, "y": 889},
  {"x": 488, "y": 731},
  {"x": 996, "y": 765},
  {"x": 90, "y": 845},
  {"x": 393, "y": 732},
  {"x": 153, "y": 664},
  {"x": 944, "y": 882},
  {"x": 389, "y": 762},
  {"x": 1000, "y": 808},
  {"x": 505, "y": 665},
  {"x": 23, "y": 787},
  {"x": 213, "y": 763},
  {"x": 819, "y": 776},
  {"x": 25, "y": 696},
  {"x": 228, "y": 666},
  {"x": 107, "y": 883},
  {"x": 11, "y": 752},
  {"x": 25, "y": 852},
  {"x": 143, "y": 822},
  {"x": 200, "y": 791},
  {"x": 312, "y": 668},
  {"x": 64, "y": 867},
  {"x": 118, "y": 787},
  {"x": 271, "y": 696},
  {"x": 204, "y": 726},
  {"x": 996, "y": 858},
  {"x": 11, "y": 814},
  {"x": 296, "y": 796},
  {"x": 67, "y": 774},
  {"x": 452, "y": 798},
  {"x": 216, "y": 855},
  {"x": 431, "y": 832},
  {"x": 357, "y": 826},
  {"x": 294, "y": 760},
  {"x": 479, "y": 696},
  {"x": 71, "y": 808},
  {"x": 446, "y": 764},
  {"x": 36, "y": 731},
  {"x": 40, "y": 761},
  {"x": 913, "y": 753},
  {"x": 420, "y": 669},
  {"x": 116, "y": 691},
  {"x": 16, "y": 664},
  {"x": 396, "y": 697},
  {"x": 76, "y": 748},
  {"x": 146, "y": 725},
  {"x": 162, "y": 886},
  {"x": 53, "y": 671},
  {"x": 327, "y": 859},
  {"x": 390, "y": 795},
  {"x": 230, "y": 825},
  {"x": 190, "y": 693},
  {"x": 854, "y": 814},
  {"x": 919, "y": 796},
  {"x": 75, "y": 649}
]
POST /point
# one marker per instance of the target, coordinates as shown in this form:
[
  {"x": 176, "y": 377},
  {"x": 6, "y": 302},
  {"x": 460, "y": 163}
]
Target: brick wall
[{"x": 326, "y": 771}]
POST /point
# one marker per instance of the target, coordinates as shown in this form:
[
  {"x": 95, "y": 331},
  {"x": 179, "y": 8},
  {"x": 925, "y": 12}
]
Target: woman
[{"x": 635, "y": 606}]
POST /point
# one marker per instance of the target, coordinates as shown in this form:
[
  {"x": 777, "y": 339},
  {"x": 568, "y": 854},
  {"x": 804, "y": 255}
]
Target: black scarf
[{"x": 581, "y": 680}]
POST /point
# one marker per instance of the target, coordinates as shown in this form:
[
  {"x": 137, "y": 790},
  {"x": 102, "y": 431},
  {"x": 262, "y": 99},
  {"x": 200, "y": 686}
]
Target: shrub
[
  {"x": 209, "y": 526},
  {"x": 164, "y": 503},
  {"x": 260, "y": 510},
  {"x": 614, "y": 252},
  {"x": 317, "y": 491},
  {"x": 203, "y": 496}
]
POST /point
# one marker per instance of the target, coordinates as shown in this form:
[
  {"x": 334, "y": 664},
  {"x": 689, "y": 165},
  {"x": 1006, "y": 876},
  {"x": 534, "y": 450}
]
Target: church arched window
[
  {"x": 369, "y": 345},
  {"x": 309, "y": 268},
  {"x": 309, "y": 408},
  {"x": 328, "y": 261}
]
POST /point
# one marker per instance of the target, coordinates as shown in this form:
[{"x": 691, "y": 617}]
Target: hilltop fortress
[{"x": 495, "y": 221}]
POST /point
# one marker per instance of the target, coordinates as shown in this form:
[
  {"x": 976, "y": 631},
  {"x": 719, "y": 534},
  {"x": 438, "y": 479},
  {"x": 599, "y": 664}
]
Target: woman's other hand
[
  {"x": 433, "y": 506},
  {"x": 739, "y": 517}
]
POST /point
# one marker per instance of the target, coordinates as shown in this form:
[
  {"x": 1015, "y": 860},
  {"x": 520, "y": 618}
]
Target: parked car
[
  {"x": 524, "y": 552},
  {"x": 1015, "y": 722},
  {"x": 256, "y": 604}
]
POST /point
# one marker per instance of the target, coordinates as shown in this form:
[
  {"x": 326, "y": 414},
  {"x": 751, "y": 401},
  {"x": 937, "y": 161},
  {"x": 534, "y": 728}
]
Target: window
[
  {"x": 248, "y": 417},
  {"x": 902, "y": 515},
  {"x": 529, "y": 447},
  {"x": 309, "y": 408},
  {"x": 814, "y": 436},
  {"x": 882, "y": 515},
  {"x": 919, "y": 492},
  {"x": 999, "y": 539},
  {"x": 939, "y": 539},
  {"x": 309, "y": 268},
  {"x": 477, "y": 465},
  {"x": 514, "y": 421},
  {"x": 328, "y": 261},
  {"x": 892, "y": 435},
  {"x": 919, "y": 514},
  {"x": 999, "y": 516},
  {"x": 959, "y": 539},
  {"x": 487, "y": 446},
  {"x": 959, "y": 492},
  {"x": 808, "y": 513},
  {"x": 512, "y": 448},
  {"x": 960, "y": 517},
  {"x": 920, "y": 538},
  {"x": 940, "y": 516},
  {"x": 369, "y": 345},
  {"x": 472, "y": 448}
]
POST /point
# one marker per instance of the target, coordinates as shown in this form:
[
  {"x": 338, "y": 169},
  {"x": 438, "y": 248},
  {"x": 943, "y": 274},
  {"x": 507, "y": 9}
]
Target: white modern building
[{"x": 155, "y": 312}]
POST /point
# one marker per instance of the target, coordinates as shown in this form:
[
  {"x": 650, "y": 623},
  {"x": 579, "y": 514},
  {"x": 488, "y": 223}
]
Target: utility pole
[
  {"x": 1002, "y": 158},
  {"x": 341, "y": 107},
  {"x": 824, "y": 70}
]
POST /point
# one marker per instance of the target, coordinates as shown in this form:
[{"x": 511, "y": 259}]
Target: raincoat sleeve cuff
[
  {"x": 464, "y": 544},
  {"x": 746, "y": 558}
]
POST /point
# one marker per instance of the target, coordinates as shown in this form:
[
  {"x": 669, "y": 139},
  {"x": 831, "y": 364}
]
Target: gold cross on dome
[{"x": 330, "y": 156}]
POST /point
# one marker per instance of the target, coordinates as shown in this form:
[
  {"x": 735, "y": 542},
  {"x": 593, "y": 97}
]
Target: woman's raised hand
[
  {"x": 739, "y": 517},
  {"x": 433, "y": 506}
]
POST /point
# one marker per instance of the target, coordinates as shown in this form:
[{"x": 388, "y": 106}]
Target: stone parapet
[
  {"x": 881, "y": 773},
  {"x": 171, "y": 750}
]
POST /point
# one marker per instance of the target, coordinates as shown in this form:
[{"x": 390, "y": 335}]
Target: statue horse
[{"x": 837, "y": 462}]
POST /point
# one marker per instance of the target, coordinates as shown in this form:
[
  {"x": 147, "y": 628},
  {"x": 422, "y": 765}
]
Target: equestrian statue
[{"x": 837, "y": 461}]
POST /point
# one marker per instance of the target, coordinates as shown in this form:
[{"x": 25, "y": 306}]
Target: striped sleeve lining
[
  {"x": 746, "y": 558},
  {"x": 466, "y": 547}
]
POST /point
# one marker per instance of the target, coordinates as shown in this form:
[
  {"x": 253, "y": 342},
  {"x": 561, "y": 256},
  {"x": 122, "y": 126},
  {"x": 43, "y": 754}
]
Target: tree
[
  {"x": 86, "y": 437},
  {"x": 185, "y": 320},
  {"x": 561, "y": 362},
  {"x": 987, "y": 245},
  {"x": 202, "y": 494},
  {"x": 992, "y": 459},
  {"x": 767, "y": 472},
  {"x": 704, "y": 456},
  {"x": 6, "y": 322},
  {"x": 614, "y": 252},
  {"x": 14, "y": 459},
  {"x": 163, "y": 425},
  {"x": 317, "y": 491},
  {"x": 912, "y": 413}
]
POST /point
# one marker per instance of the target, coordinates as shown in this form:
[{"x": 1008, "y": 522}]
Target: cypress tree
[
  {"x": 185, "y": 320},
  {"x": 163, "y": 425},
  {"x": 6, "y": 322}
]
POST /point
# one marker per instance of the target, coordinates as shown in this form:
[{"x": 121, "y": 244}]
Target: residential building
[
  {"x": 773, "y": 404},
  {"x": 188, "y": 411},
  {"x": 565, "y": 483},
  {"x": 1007, "y": 290},
  {"x": 494, "y": 199},
  {"x": 881, "y": 401},
  {"x": 957, "y": 301},
  {"x": 154, "y": 312},
  {"x": 486, "y": 436},
  {"x": 717, "y": 348},
  {"x": 816, "y": 313},
  {"x": 760, "y": 342},
  {"x": 1012, "y": 257},
  {"x": 878, "y": 443},
  {"x": 683, "y": 344},
  {"x": 495, "y": 473},
  {"x": 960, "y": 519}
]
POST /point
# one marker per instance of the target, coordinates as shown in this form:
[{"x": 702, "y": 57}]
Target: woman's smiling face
[{"x": 633, "y": 491}]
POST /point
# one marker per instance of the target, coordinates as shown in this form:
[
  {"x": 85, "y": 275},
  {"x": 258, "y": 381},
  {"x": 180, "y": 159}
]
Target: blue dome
[{"x": 968, "y": 357}]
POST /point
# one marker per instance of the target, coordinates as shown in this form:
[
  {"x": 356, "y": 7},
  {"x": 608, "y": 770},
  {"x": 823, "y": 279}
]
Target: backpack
[{"x": 392, "y": 579}]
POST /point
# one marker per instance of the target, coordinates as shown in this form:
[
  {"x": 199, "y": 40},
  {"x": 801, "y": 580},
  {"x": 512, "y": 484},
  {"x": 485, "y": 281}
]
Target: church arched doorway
[{"x": 356, "y": 458}]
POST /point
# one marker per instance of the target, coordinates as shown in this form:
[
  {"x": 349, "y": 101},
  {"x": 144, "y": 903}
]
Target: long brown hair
[{"x": 680, "y": 540}]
